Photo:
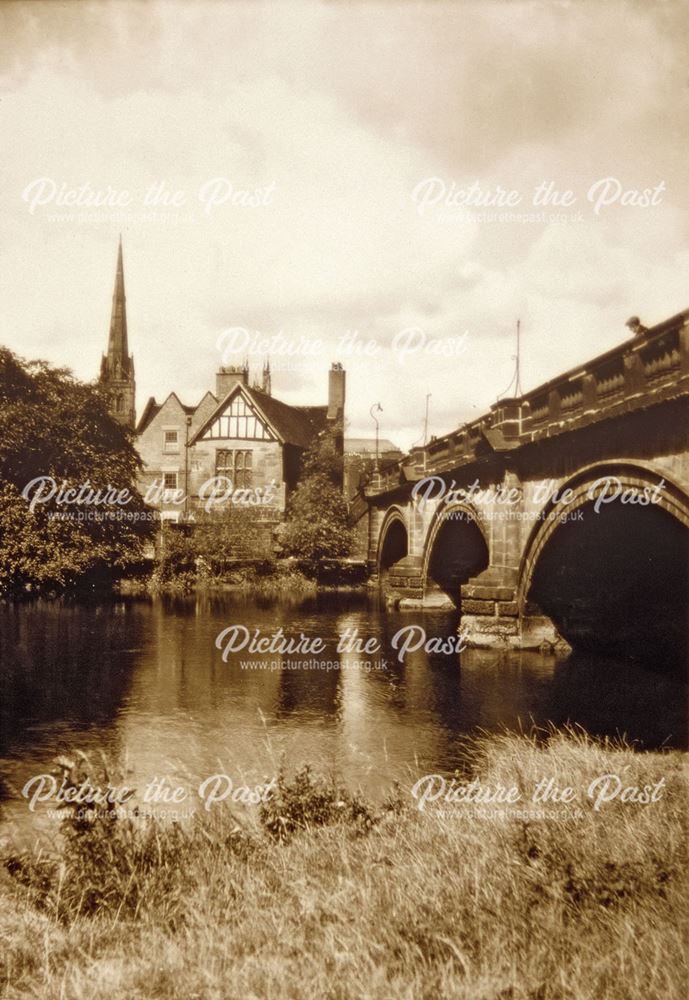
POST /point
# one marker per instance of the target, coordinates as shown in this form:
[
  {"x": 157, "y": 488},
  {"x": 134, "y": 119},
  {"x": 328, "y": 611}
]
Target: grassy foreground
[{"x": 325, "y": 897}]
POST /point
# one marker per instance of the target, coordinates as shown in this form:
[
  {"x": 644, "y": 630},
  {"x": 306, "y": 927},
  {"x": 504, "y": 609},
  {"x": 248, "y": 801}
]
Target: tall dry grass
[{"x": 325, "y": 897}]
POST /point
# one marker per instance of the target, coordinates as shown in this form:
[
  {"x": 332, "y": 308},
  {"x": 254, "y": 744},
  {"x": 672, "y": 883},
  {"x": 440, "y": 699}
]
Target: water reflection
[
  {"x": 144, "y": 680},
  {"x": 65, "y": 665}
]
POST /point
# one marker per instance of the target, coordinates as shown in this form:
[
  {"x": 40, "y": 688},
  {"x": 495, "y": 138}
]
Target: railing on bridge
[{"x": 649, "y": 368}]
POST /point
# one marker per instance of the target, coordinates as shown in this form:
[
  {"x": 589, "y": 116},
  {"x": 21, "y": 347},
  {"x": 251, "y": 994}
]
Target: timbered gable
[{"x": 239, "y": 420}]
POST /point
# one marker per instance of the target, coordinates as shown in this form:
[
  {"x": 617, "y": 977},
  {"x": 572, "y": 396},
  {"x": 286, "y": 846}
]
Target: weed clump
[{"x": 308, "y": 801}]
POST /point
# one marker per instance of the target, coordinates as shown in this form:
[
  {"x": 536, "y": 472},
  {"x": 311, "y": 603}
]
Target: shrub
[{"x": 307, "y": 801}]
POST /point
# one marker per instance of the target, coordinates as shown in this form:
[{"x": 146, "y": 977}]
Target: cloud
[{"x": 340, "y": 110}]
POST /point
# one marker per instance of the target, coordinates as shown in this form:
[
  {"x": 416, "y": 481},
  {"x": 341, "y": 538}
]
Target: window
[
  {"x": 170, "y": 440},
  {"x": 236, "y": 465},
  {"x": 170, "y": 480}
]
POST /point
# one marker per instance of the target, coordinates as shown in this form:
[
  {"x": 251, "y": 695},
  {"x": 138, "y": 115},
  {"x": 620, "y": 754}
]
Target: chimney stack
[
  {"x": 228, "y": 377},
  {"x": 336, "y": 392}
]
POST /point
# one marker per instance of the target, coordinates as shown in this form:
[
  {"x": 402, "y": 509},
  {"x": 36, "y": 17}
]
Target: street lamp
[
  {"x": 425, "y": 430},
  {"x": 376, "y": 408}
]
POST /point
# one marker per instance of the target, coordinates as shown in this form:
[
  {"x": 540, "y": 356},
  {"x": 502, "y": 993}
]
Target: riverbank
[
  {"x": 247, "y": 581},
  {"x": 325, "y": 896},
  {"x": 262, "y": 578}
]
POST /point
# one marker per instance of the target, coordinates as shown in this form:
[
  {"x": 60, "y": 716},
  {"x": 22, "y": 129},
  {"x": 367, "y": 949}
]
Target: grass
[{"x": 321, "y": 895}]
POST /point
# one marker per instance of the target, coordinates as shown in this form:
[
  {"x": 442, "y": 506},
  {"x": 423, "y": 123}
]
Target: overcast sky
[{"x": 350, "y": 124}]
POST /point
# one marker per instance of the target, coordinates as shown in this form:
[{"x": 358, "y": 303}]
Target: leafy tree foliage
[
  {"x": 53, "y": 425},
  {"x": 318, "y": 519},
  {"x": 214, "y": 543}
]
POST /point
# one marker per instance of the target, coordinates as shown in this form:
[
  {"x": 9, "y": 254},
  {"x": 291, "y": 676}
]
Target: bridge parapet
[{"x": 648, "y": 369}]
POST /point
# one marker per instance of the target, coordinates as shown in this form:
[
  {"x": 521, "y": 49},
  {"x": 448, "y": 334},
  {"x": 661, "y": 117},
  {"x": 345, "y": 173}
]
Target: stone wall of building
[{"x": 162, "y": 446}]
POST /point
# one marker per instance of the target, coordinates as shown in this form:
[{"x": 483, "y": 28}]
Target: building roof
[
  {"x": 297, "y": 425},
  {"x": 365, "y": 446},
  {"x": 152, "y": 409}
]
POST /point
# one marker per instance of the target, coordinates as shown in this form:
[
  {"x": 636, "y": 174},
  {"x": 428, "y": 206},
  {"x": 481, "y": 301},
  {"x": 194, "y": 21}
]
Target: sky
[{"x": 343, "y": 182}]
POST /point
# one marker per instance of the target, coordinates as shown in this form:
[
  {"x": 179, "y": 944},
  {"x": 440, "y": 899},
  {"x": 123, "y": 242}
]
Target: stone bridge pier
[{"x": 439, "y": 551}]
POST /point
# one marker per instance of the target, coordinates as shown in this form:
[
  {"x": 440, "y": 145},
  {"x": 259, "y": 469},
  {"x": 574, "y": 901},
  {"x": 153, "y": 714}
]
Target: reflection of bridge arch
[
  {"x": 457, "y": 547},
  {"x": 616, "y": 578},
  {"x": 393, "y": 540}
]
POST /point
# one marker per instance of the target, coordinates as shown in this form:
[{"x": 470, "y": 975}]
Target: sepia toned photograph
[{"x": 344, "y": 500}]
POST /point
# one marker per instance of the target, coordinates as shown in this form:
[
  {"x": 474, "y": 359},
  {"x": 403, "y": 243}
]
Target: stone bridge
[{"x": 560, "y": 517}]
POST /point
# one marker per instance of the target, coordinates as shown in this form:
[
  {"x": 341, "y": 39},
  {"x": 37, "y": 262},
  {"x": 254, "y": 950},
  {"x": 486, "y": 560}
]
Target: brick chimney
[
  {"x": 336, "y": 392},
  {"x": 228, "y": 377}
]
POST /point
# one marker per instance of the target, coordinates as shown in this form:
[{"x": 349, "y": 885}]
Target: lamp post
[
  {"x": 376, "y": 408},
  {"x": 425, "y": 431}
]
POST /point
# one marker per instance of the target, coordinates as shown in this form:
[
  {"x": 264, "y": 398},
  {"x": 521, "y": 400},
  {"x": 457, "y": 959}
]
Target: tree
[
  {"x": 214, "y": 543},
  {"x": 53, "y": 425},
  {"x": 317, "y": 525}
]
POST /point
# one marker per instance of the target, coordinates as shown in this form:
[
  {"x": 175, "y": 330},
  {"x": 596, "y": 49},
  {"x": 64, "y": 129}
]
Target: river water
[{"x": 143, "y": 680}]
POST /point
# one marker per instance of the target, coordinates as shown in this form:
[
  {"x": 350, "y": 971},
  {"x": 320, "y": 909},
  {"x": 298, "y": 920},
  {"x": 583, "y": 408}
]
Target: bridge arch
[
  {"x": 632, "y": 476},
  {"x": 612, "y": 570},
  {"x": 456, "y": 548},
  {"x": 393, "y": 540}
]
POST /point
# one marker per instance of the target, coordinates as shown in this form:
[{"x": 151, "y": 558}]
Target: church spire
[
  {"x": 118, "y": 348},
  {"x": 117, "y": 366}
]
